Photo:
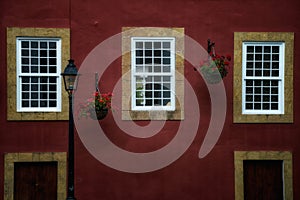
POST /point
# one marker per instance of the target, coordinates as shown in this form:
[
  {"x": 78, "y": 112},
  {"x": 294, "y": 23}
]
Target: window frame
[
  {"x": 19, "y": 74},
  {"x": 288, "y": 39},
  {"x": 280, "y": 78},
  {"x": 127, "y": 34},
  {"x": 134, "y": 73}
]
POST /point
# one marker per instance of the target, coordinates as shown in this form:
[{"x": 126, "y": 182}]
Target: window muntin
[
  {"x": 263, "y": 78},
  {"x": 153, "y": 73},
  {"x": 38, "y": 74}
]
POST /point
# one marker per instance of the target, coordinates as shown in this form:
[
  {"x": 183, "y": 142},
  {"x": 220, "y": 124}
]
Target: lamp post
[{"x": 70, "y": 81}]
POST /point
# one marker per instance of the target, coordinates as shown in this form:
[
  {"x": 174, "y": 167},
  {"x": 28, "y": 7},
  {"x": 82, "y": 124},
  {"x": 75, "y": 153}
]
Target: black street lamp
[{"x": 70, "y": 81}]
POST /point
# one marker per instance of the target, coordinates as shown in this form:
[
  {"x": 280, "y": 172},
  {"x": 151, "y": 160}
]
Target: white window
[
  {"x": 153, "y": 73},
  {"x": 38, "y": 74},
  {"x": 263, "y": 78}
]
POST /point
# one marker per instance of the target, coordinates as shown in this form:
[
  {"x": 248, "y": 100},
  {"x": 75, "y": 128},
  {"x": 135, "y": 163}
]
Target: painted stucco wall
[{"x": 189, "y": 177}]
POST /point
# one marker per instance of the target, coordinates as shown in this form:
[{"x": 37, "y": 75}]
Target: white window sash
[
  {"x": 280, "y": 79},
  {"x": 19, "y": 74},
  {"x": 143, "y": 75}
]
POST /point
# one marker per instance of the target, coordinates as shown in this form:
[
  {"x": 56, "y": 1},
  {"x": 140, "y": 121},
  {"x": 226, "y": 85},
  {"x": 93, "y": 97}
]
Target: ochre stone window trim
[
  {"x": 285, "y": 156},
  {"x": 288, "y": 39},
  {"x": 11, "y": 158},
  {"x": 178, "y": 34},
  {"x": 12, "y": 34}
]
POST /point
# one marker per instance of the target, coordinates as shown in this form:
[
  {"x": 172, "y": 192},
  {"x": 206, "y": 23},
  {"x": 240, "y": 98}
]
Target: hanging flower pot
[
  {"x": 215, "y": 68},
  {"x": 96, "y": 107}
]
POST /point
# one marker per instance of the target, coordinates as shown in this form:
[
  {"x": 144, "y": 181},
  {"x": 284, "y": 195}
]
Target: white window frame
[
  {"x": 280, "y": 78},
  {"x": 19, "y": 74},
  {"x": 169, "y": 107}
]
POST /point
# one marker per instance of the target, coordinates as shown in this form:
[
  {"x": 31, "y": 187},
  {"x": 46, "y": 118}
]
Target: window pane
[
  {"x": 25, "y": 44},
  {"x": 267, "y": 49},
  {"x": 52, "y": 61},
  {"x": 52, "y": 95},
  {"x": 275, "y": 49},
  {"x": 52, "y": 45},
  {"x": 25, "y": 87},
  {"x": 34, "y": 69},
  {"x": 166, "y": 61},
  {"x": 43, "y": 69},
  {"x": 157, "y": 102},
  {"x": 139, "y": 53},
  {"x": 250, "y": 49},
  {"x": 34, "y": 61},
  {"x": 249, "y": 106},
  {"x": 258, "y": 49},
  {"x": 43, "y": 61},
  {"x": 157, "y": 69},
  {"x": 148, "y": 60},
  {"x": 43, "y": 45},
  {"x": 139, "y": 45},
  {"x": 43, "y": 104},
  {"x": 266, "y": 73},
  {"x": 52, "y": 87},
  {"x": 157, "y": 45},
  {"x": 34, "y": 45},
  {"x": 275, "y": 57},
  {"x": 34, "y": 95},
  {"x": 52, "y": 53},
  {"x": 25, "y": 104},
  {"x": 25, "y": 69},
  {"x": 267, "y": 65},
  {"x": 250, "y": 57},
  {"x": 267, "y": 57},
  {"x": 157, "y": 60},
  {"x": 167, "y": 94},
  {"x": 148, "y": 45},
  {"x": 249, "y": 65},
  {"x": 258, "y": 56},
  {"x": 274, "y": 106},
  {"x": 25, "y": 61},
  {"x": 34, "y": 87},
  {"x": 157, "y": 53},
  {"x": 34, "y": 104},
  {"x": 25, "y": 95},
  {"x": 52, "y": 103},
  {"x": 167, "y": 69},
  {"x": 166, "y": 53},
  {"x": 148, "y": 53},
  {"x": 34, "y": 53},
  {"x": 266, "y": 106},
  {"x": 44, "y": 95},
  {"x": 43, "y": 53},
  {"x": 166, "y": 45},
  {"x": 25, "y": 53}
]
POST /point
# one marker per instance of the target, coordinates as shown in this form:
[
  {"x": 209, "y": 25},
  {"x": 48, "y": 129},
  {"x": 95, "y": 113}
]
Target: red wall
[{"x": 189, "y": 177}]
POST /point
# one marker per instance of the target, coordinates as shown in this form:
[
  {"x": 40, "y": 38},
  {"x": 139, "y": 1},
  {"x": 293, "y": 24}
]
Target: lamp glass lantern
[{"x": 70, "y": 77}]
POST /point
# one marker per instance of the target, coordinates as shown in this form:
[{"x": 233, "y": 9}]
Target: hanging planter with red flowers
[
  {"x": 97, "y": 106},
  {"x": 215, "y": 68}
]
